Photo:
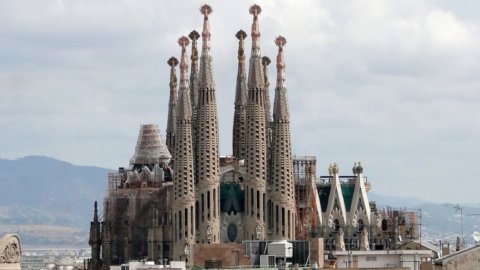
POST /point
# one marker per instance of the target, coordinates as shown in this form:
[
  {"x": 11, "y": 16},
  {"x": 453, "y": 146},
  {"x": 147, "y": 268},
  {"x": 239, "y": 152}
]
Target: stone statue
[
  {"x": 258, "y": 231},
  {"x": 330, "y": 221},
  {"x": 359, "y": 168},
  {"x": 10, "y": 251},
  {"x": 364, "y": 240},
  {"x": 330, "y": 169},
  {"x": 335, "y": 168},
  {"x": 340, "y": 241},
  {"x": 354, "y": 169}
]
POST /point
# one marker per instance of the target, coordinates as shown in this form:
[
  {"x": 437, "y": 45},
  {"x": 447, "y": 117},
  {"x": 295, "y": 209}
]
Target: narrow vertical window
[
  {"x": 214, "y": 203},
  {"x": 208, "y": 205},
  {"x": 203, "y": 207}
]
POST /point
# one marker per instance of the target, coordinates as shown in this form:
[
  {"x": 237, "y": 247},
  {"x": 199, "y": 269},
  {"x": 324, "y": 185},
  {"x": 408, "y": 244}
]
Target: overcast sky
[{"x": 393, "y": 84}]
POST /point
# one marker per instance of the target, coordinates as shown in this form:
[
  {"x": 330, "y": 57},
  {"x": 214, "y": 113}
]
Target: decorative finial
[
  {"x": 280, "y": 42},
  {"x": 172, "y": 62},
  {"x": 335, "y": 168},
  {"x": 359, "y": 168},
  {"x": 194, "y": 35},
  {"x": 354, "y": 169},
  {"x": 241, "y": 35},
  {"x": 206, "y": 10},
  {"x": 255, "y": 10},
  {"x": 183, "y": 42},
  {"x": 266, "y": 61}
]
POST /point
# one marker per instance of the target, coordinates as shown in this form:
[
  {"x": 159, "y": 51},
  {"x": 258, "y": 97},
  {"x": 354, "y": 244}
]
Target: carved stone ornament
[
  {"x": 258, "y": 231},
  {"x": 9, "y": 249}
]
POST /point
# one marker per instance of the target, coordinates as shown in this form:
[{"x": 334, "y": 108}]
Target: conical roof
[{"x": 150, "y": 149}]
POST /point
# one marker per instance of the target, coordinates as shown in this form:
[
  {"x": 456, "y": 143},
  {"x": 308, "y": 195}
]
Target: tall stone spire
[
  {"x": 268, "y": 116},
  {"x": 283, "y": 190},
  {"x": 268, "y": 113},
  {"x": 95, "y": 238},
  {"x": 206, "y": 69},
  {"x": 194, "y": 81},
  {"x": 256, "y": 140},
  {"x": 194, "y": 35},
  {"x": 207, "y": 165},
  {"x": 172, "y": 103},
  {"x": 239, "y": 118},
  {"x": 184, "y": 195}
]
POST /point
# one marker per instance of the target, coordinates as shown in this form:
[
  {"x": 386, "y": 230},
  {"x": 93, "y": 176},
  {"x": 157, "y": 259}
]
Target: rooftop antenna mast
[{"x": 458, "y": 208}]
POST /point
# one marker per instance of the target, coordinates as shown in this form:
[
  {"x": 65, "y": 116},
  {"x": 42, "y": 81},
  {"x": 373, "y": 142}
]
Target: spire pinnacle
[
  {"x": 280, "y": 107},
  {"x": 172, "y": 103},
  {"x": 95, "y": 212},
  {"x": 255, "y": 76},
  {"x": 183, "y": 109},
  {"x": 206, "y": 10},
  {"x": 183, "y": 42},
  {"x": 206, "y": 69},
  {"x": 172, "y": 62},
  {"x": 280, "y": 42},
  {"x": 255, "y": 10},
  {"x": 241, "y": 35},
  {"x": 265, "y": 62},
  {"x": 268, "y": 115},
  {"x": 194, "y": 35}
]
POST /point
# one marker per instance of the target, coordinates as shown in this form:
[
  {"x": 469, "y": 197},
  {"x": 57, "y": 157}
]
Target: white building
[{"x": 381, "y": 258}]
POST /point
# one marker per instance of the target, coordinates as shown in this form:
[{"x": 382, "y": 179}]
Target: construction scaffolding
[{"x": 304, "y": 173}]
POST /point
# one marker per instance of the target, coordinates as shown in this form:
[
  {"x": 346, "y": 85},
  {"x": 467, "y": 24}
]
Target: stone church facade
[{"x": 181, "y": 193}]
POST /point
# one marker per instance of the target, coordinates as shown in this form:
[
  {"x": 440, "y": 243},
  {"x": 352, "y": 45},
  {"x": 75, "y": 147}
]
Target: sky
[{"x": 393, "y": 84}]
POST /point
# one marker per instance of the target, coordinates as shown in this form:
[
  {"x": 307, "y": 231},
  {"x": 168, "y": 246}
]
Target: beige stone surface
[
  {"x": 10, "y": 252},
  {"x": 227, "y": 253}
]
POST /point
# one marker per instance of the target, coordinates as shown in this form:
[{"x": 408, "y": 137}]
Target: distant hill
[{"x": 48, "y": 201}]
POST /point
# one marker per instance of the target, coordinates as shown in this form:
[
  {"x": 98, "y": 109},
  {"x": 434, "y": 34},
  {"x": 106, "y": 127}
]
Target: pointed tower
[
  {"x": 283, "y": 189},
  {"x": 256, "y": 140},
  {"x": 194, "y": 35},
  {"x": 207, "y": 153},
  {"x": 172, "y": 117},
  {"x": 335, "y": 215},
  {"x": 268, "y": 118},
  {"x": 268, "y": 113},
  {"x": 184, "y": 195},
  {"x": 240, "y": 115},
  {"x": 360, "y": 212},
  {"x": 95, "y": 239},
  {"x": 194, "y": 76},
  {"x": 106, "y": 238}
]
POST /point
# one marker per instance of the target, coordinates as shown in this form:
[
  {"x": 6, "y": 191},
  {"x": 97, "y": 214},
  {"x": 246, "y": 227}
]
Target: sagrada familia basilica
[{"x": 180, "y": 200}]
